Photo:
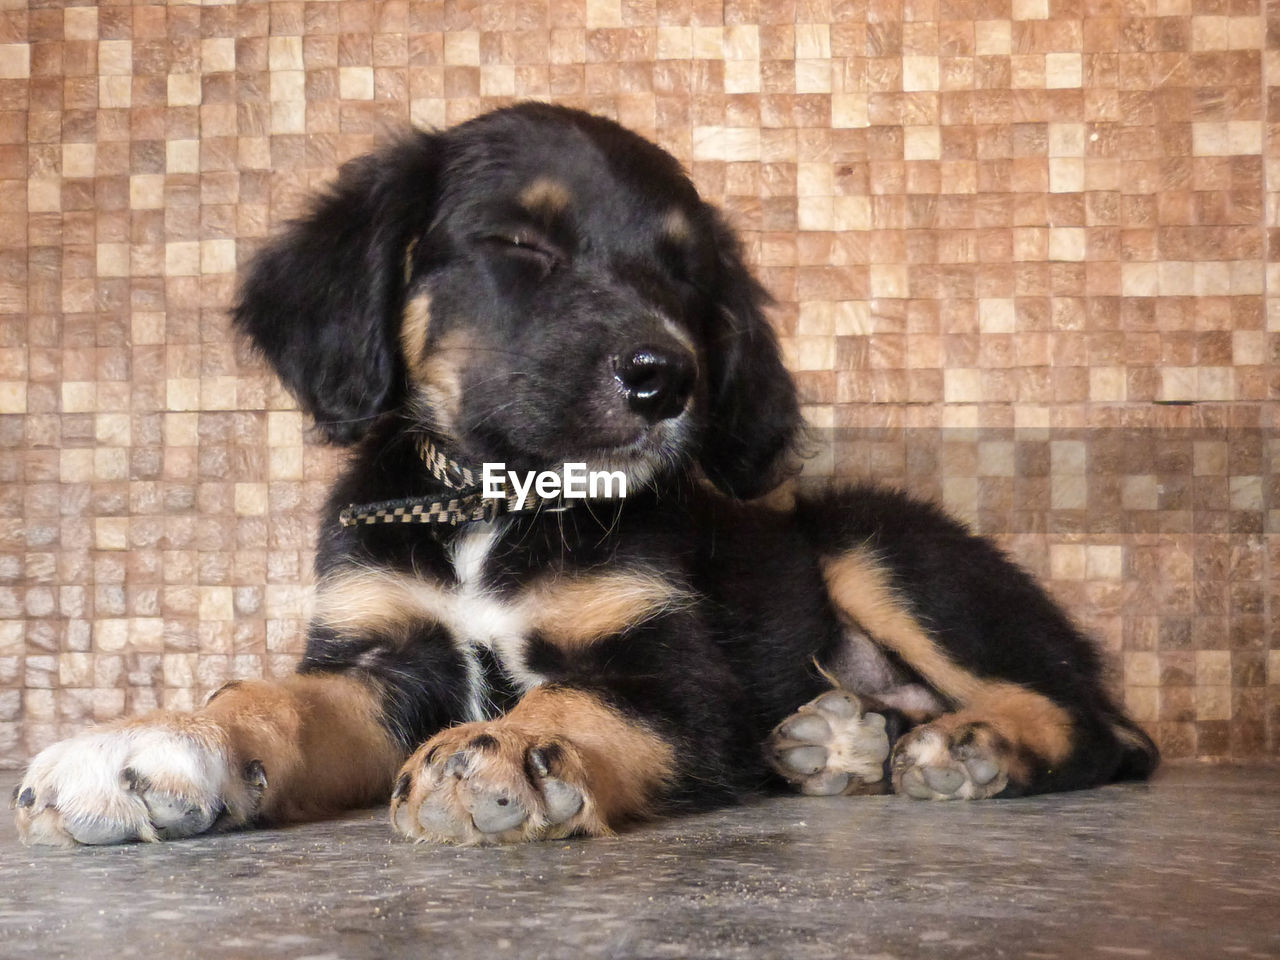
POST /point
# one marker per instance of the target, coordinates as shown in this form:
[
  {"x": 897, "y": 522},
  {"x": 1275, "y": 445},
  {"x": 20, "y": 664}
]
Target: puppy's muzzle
[{"x": 656, "y": 381}]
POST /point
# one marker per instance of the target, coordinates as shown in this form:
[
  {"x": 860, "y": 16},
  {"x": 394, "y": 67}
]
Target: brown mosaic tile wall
[{"x": 1026, "y": 256}]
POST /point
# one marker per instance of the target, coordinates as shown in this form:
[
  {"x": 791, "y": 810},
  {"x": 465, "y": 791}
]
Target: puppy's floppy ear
[
  {"x": 754, "y": 414},
  {"x": 323, "y": 301}
]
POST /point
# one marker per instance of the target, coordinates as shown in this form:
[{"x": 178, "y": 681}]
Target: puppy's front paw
[
  {"x": 160, "y": 778},
  {"x": 482, "y": 783},
  {"x": 830, "y": 745}
]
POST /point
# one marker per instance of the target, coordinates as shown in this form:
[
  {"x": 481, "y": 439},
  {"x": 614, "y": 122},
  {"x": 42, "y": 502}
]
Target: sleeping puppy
[{"x": 509, "y": 662}]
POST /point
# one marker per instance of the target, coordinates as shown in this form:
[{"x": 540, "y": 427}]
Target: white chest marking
[{"x": 476, "y": 618}]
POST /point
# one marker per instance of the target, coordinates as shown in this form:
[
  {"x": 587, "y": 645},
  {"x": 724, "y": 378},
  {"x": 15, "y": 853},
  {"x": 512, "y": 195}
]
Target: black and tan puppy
[{"x": 539, "y": 287}]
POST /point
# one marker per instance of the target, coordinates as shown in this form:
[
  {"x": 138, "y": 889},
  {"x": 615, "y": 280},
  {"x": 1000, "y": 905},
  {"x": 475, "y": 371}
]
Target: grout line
[
  {"x": 1266, "y": 206},
  {"x": 1271, "y": 725}
]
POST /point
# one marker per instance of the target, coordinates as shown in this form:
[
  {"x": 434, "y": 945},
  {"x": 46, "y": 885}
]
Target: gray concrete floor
[{"x": 1188, "y": 866}]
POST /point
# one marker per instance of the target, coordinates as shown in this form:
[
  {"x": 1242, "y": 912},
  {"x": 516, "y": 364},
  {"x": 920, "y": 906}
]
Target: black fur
[
  {"x": 323, "y": 302},
  {"x": 535, "y": 308}
]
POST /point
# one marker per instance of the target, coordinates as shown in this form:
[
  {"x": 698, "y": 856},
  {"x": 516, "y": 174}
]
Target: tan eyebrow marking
[
  {"x": 545, "y": 196},
  {"x": 676, "y": 226}
]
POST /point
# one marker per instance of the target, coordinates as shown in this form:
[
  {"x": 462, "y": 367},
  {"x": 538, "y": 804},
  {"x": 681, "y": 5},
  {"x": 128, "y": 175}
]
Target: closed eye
[
  {"x": 677, "y": 260},
  {"x": 518, "y": 243}
]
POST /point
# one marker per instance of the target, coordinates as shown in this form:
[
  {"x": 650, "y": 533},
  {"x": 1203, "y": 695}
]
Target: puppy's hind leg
[{"x": 1029, "y": 710}]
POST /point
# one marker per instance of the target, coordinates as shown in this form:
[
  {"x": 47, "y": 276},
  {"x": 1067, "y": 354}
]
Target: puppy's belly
[{"x": 862, "y": 667}]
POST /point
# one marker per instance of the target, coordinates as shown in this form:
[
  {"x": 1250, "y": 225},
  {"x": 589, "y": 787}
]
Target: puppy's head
[{"x": 540, "y": 286}]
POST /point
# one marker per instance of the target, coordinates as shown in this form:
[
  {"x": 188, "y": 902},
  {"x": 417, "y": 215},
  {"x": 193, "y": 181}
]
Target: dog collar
[{"x": 466, "y": 504}]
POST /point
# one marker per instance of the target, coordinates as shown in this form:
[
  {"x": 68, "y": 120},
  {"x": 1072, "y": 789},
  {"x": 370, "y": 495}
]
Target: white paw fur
[
  {"x": 160, "y": 779},
  {"x": 831, "y": 745}
]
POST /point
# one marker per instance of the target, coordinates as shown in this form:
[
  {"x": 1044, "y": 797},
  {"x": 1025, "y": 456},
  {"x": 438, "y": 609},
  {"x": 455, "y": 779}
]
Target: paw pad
[
  {"x": 496, "y": 812},
  {"x": 934, "y": 763},
  {"x": 830, "y": 746},
  {"x": 483, "y": 791}
]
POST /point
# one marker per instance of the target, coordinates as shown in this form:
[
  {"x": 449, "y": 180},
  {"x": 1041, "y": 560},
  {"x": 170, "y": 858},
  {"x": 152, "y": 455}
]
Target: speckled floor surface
[{"x": 1188, "y": 866}]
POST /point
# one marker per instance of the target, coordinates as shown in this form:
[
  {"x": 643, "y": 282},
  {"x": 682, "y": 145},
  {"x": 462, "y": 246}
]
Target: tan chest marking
[
  {"x": 569, "y": 611},
  {"x": 575, "y": 612}
]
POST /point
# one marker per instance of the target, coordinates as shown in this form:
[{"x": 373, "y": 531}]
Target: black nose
[{"x": 655, "y": 380}]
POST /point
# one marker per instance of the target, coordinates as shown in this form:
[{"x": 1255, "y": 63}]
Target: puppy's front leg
[
  {"x": 292, "y": 750},
  {"x": 561, "y": 762}
]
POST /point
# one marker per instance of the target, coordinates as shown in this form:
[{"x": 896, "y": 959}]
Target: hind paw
[
  {"x": 831, "y": 746},
  {"x": 966, "y": 762}
]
